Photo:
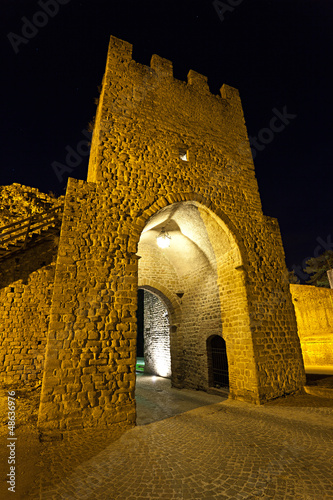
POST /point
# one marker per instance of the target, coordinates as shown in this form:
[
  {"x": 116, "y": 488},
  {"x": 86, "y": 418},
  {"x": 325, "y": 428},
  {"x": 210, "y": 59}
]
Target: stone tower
[{"x": 167, "y": 156}]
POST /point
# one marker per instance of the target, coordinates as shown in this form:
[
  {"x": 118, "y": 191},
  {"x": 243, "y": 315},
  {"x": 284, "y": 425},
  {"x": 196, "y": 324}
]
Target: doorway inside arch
[
  {"x": 140, "y": 363},
  {"x": 218, "y": 372},
  {"x": 153, "y": 335},
  {"x": 155, "y": 398}
]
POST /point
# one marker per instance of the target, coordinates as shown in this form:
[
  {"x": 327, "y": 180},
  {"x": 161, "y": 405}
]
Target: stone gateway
[{"x": 168, "y": 160}]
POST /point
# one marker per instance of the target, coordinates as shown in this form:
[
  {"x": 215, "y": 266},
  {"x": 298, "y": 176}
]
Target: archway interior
[{"x": 195, "y": 274}]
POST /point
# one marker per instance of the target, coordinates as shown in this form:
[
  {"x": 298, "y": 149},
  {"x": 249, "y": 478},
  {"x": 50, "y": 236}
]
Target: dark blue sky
[{"x": 278, "y": 54}]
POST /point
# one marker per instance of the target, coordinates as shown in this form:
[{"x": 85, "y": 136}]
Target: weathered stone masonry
[
  {"x": 314, "y": 314},
  {"x": 24, "y": 312},
  {"x": 137, "y": 182},
  {"x": 156, "y": 336},
  {"x": 26, "y": 285}
]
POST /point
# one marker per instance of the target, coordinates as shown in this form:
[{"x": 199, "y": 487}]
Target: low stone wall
[
  {"x": 24, "y": 313},
  {"x": 18, "y": 201},
  {"x": 314, "y": 314}
]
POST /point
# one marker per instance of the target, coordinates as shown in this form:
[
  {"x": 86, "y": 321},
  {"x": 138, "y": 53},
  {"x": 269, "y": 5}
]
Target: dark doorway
[{"x": 217, "y": 362}]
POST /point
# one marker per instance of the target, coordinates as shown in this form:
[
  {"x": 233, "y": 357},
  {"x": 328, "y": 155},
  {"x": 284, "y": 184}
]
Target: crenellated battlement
[
  {"x": 120, "y": 52},
  {"x": 162, "y": 67},
  {"x": 167, "y": 112}
]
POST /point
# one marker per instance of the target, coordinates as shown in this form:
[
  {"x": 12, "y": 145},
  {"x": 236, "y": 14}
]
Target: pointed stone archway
[{"x": 202, "y": 273}]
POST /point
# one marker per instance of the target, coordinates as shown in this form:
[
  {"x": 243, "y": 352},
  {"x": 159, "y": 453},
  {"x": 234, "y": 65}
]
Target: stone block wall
[
  {"x": 154, "y": 266},
  {"x": 155, "y": 273},
  {"x": 89, "y": 375},
  {"x": 314, "y": 314},
  {"x": 156, "y": 336},
  {"x": 201, "y": 313},
  {"x": 22, "y": 264},
  {"x": 24, "y": 311},
  {"x": 18, "y": 202},
  {"x": 26, "y": 286}
]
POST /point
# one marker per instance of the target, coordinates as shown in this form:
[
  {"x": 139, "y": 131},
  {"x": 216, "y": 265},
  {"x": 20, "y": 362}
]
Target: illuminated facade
[{"x": 167, "y": 157}]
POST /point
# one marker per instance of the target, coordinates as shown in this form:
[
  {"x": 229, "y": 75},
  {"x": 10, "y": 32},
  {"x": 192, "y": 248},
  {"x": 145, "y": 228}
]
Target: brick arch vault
[{"x": 165, "y": 155}]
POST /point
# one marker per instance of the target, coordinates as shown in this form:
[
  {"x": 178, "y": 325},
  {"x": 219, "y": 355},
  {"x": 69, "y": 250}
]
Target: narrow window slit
[{"x": 183, "y": 154}]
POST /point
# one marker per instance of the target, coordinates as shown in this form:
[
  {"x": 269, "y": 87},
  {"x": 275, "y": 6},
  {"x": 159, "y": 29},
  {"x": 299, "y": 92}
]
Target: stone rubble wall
[
  {"x": 314, "y": 314},
  {"x": 18, "y": 202},
  {"x": 157, "y": 275},
  {"x": 26, "y": 285},
  {"x": 145, "y": 116},
  {"x": 24, "y": 313},
  {"x": 89, "y": 375},
  {"x": 201, "y": 313},
  {"x": 156, "y": 336}
]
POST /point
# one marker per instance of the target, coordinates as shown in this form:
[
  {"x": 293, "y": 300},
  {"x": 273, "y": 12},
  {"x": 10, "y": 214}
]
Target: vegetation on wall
[{"x": 317, "y": 268}]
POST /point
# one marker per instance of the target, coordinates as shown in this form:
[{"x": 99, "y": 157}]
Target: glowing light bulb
[{"x": 163, "y": 240}]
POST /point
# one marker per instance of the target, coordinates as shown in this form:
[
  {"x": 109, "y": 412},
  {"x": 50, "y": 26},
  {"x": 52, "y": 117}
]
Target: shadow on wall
[{"x": 34, "y": 257}]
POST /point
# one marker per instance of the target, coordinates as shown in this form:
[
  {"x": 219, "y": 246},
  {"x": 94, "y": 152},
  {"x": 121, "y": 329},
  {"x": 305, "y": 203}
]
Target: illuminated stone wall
[
  {"x": 201, "y": 310},
  {"x": 314, "y": 313},
  {"x": 156, "y": 336},
  {"x": 26, "y": 285},
  {"x": 18, "y": 201},
  {"x": 24, "y": 312},
  {"x": 156, "y": 273},
  {"x": 189, "y": 279},
  {"x": 144, "y": 122}
]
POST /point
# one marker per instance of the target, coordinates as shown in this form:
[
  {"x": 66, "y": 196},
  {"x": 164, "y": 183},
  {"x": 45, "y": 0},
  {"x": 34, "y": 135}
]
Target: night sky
[{"x": 277, "y": 53}]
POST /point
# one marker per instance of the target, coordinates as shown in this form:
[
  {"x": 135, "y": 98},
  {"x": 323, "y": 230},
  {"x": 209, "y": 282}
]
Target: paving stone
[{"x": 244, "y": 452}]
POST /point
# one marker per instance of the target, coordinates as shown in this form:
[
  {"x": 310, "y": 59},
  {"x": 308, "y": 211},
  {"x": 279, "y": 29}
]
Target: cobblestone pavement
[
  {"x": 227, "y": 450},
  {"x": 156, "y": 400}
]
